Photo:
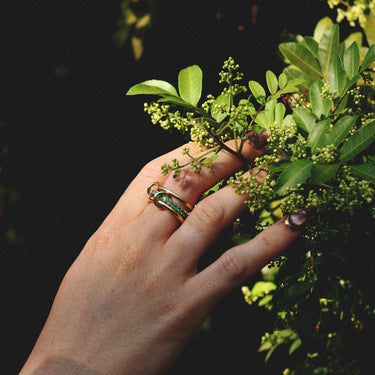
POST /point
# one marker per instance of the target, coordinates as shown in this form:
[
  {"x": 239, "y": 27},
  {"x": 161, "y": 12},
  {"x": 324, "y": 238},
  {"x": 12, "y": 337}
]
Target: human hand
[{"x": 133, "y": 297}]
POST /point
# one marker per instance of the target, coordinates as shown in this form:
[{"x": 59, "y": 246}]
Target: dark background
[{"x": 76, "y": 141}]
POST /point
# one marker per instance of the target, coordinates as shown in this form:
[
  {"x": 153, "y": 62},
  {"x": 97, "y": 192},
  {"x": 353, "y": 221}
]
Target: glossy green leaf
[
  {"x": 272, "y": 82},
  {"x": 311, "y": 44},
  {"x": 153, "y": 87},
  {"x": 283, "y": 80},
  {"x": 304, "y": 119},
  {"x": 356, "y": 37},
  {"x": 336, "y": 76},
  {"x": 224, "y": 101},
  {"x": 369, "y": 59},
  {"x": 320, "y": 106},
  {"x": 296, "y": 173},
  {"x": 321, "y": 27},
  {"x": 322, "y": 173},
  {"x": 351, "y": 60},
  {"x": 365, "y": 171},
  {"x": 182, "y": 103},
  {"x": 316, "y": 137},
  {"x": 258, "y": 91},
  {"x": 328, "y": 48},
  {"x": 190, "y": 84},
  {"x": 302, "y": 58},
  {"x": 279, "y": 113},
  {"x": 294, "y": 73},
  {"x": 340, "y": 130},
  {"x": 358, "y": 142}
]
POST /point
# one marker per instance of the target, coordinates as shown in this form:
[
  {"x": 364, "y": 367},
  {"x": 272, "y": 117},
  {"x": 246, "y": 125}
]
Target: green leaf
[
  {"x": 302, "y": 58},
  {"x": 340, "y": 130},
  {"x": 258, "y": 91},
  {"x": 356, "y": 37},
  {"x": 304, "y": 119},
  {"x": 311, "y": 44},
  {"x": 295, "y": 345},
  {"x": 358, "y": 142},
  {"x": 352, "y": 60},
  {"x": 369, "y": 59},
  {"x": 293, "y": 73},
  {"x": 321, "y": 27},
  {"x": 279, "y": 113},
  {"x": 182, "y": 103},
  {"x": 272, "y": 82},
  {"x": 365, "y": 171},
  {"x": 296, "y": 173},
  {"x": 328, "y": 48},
  {"x": 190, "y": 84},
  {"x": 369, "y": 28},
  {"x": 336, "y": 77},
  {"x": 317, "y": 135},
  {"x": 322, "y": 173},
  {"x": 224, "y": 101},
  {"x": 320, "y": 106},
  {"x": 153, "y": 87},
  {"x": 283, "y": 80}
]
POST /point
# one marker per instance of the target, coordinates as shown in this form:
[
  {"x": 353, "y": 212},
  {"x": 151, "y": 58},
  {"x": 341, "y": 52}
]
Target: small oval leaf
[{"x": 190, "y": 84}]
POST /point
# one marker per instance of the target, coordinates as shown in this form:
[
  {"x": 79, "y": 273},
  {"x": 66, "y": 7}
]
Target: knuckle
[
  {"x": 209, "y": 213},
  {"x": 101, "y": 240},
  {"x": 231, "y": 266}
]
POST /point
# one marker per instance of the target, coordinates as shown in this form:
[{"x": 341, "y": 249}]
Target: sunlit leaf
[
  {"x": 178, "y": 101},
  {"x": 258, "y": 91},
  {"x": 224, "y": 103},
  {"x": 153, "y": 87},
  {"x": 321, "y": 27},
  {"x": 272, "y": 82},
  {"x": 311, "y": 44},
  {"x": 302, "y": 58},
  {"x": 190, "y": 84},
  {"x": 336, "y": 77},
  {"x": 317, "y": 135},
  {"x": 369, "y": 59},
  {"x": 279, "y": 113},
  {"x": 296, "y": 173},
  {"x": 320, "y": 106},
  {"x": 304, "y": 119},
  {"x": 283, "y": 80},
  {"x": 352, "y": 60},
  {"x": 294, "y": 73},
  {"x": 328, "y": 48},
  {"x": 358, "y": 142}
]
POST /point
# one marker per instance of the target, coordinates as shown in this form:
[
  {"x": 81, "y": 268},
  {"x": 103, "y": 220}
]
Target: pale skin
[{"x": 133, "y": 297}]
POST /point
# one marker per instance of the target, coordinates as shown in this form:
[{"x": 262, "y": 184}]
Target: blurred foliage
[{"x": 135, "y": 20}]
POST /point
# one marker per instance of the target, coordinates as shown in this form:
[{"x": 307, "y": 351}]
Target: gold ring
[{"x": 165, "y": 198}]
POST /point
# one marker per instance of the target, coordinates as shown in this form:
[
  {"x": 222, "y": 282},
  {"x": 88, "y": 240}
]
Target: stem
[{"x": 224, "y": 146}]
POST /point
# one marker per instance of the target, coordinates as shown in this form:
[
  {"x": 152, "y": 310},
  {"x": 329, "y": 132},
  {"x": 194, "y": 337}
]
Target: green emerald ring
[{"x": 165, "y": 199}]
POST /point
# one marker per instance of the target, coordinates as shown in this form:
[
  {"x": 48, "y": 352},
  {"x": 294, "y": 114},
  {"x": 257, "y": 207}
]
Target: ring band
[{"x": 164, "y": 198}]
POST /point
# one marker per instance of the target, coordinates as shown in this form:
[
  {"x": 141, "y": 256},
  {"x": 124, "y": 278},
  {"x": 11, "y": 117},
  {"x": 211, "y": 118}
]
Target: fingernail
[
  {"x": 297, "y": 220},
  {"x": 256, "y": 139}
]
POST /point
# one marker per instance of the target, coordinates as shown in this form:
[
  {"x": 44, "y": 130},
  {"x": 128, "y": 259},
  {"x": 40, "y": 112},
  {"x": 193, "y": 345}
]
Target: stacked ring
[{"x": 164, "y": 198}]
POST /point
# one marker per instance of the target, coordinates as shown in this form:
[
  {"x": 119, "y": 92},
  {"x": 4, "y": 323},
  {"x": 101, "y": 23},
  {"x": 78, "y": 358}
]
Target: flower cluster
[{"x": 356, "y": 10}]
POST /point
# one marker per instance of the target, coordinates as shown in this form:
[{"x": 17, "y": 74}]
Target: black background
[{"x": 76, "y": 141}]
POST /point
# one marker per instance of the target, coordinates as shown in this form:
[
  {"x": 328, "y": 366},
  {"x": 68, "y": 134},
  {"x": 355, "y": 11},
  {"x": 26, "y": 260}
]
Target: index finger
[{"x": 135, "y": 200}]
